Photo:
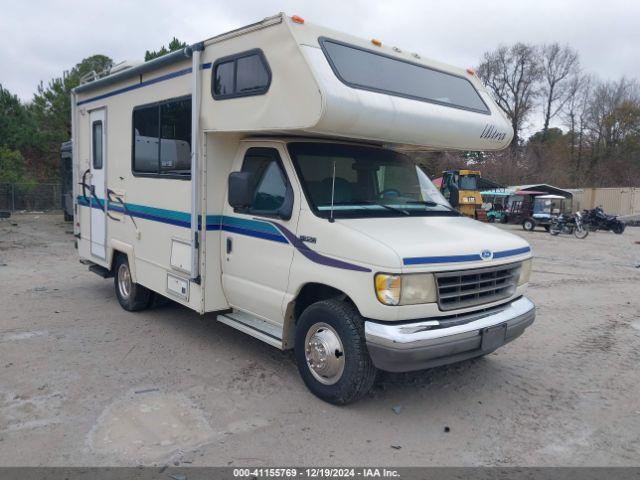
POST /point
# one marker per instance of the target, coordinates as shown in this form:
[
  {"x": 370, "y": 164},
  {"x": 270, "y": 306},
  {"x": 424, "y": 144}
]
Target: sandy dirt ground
[{"x": 83, "y": 382}]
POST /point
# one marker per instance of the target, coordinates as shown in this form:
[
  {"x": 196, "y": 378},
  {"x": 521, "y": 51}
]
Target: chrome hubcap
[
  {"x": 124, "y": 281},
  {"x": 324, "y": 353}
]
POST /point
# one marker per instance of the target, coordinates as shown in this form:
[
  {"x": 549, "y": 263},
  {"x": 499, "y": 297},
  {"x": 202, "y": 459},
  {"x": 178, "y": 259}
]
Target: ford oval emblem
[{"x": 486, "y": 254}]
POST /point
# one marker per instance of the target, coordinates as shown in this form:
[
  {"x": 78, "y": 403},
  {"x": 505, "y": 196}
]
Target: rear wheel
[
  {"x": 618, "y": 228},
  {"x": 331, "y": 352},
  {"x": 529, "y": 225},
  {"x": 491, "y": 219},
  {"x": 132, "y": 296}
]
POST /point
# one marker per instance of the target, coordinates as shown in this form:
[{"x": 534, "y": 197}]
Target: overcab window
[
  {"x": 377, "y": 72},
  {"x": 240, "y": 75}
]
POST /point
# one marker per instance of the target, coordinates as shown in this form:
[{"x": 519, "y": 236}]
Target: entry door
[
  {"x": 256, "y": 254},
  {"x": 98, "y": 180}
]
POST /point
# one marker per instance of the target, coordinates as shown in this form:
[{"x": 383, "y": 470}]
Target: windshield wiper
[
  {"x": 427, "y": 203},
  {"x": 384, "y": 205}
]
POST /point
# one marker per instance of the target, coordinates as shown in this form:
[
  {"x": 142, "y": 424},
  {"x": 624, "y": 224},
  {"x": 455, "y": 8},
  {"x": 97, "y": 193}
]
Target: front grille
[{"x": 467, "y": 288}]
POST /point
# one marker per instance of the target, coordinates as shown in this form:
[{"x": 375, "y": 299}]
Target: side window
[
  {"x": 240, "y": 75},
  {"x": 97, "y": 144},
  {"x": 162, "y": 139},
  {"x": 268, "y": 180}
]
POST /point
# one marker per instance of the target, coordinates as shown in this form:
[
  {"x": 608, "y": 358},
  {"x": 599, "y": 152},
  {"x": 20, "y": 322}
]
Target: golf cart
[
  {"x": 532, "y": 208},
  {"x": 494, "y": 202}
]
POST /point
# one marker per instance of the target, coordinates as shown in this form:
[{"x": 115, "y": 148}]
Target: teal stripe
[{"x": 159, "y": 212}]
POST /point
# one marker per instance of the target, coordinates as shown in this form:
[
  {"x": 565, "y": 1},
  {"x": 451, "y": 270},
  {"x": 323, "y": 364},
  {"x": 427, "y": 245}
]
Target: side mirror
[
  {"x": 454, "y": 195},
  {"x": 239, "y": 191}
]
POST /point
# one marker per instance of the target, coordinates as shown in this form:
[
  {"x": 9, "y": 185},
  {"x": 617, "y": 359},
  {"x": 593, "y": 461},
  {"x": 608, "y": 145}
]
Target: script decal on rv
[{"x": 490, "y": 132}]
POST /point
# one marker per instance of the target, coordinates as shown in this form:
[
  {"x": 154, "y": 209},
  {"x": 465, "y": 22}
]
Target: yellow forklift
[{"x": 461, "y": 188}]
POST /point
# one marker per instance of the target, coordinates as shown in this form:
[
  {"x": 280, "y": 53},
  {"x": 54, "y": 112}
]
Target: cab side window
[{"x": 268, "y": 180}]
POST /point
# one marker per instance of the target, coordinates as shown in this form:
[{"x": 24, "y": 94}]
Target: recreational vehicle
[{"x": 262, "y": 175}]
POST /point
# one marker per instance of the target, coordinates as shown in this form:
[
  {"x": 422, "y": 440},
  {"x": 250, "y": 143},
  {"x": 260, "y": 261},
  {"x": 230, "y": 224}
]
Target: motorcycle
[
  {"x": 569, "y": 224},
  {"x": 596, "y": 219}
]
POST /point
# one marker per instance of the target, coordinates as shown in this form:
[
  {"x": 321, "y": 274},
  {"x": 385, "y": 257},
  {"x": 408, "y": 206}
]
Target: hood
[{"x": 438, "y": 243}]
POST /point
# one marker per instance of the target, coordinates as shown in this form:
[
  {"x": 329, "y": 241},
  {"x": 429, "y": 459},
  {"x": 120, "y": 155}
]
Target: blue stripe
[
  {"x": 242, "y": 226},
  {"x": 441, "y": 259},
  {"x": 146, "y": 83},
  {"x": 254, "y": 233},
  {"x": 463, "y": 258},
  {"x": 510, "y": 253}
]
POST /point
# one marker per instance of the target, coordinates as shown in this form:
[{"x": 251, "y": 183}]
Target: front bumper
[{"x": 427, "y": 343}]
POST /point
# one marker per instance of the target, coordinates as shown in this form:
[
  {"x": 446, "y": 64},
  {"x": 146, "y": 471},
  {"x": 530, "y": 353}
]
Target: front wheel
[
  {"x": 529, "y": 225},
  {"x": 581, "y": 232},
  {"x": 491, "y": 219},
  {"x": 331, "y": 352},
  {"x": 131, "y": 296}
]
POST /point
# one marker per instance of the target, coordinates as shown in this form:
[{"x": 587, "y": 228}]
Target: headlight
[
  {"x": 410, "y": 289},
  {"x": 525, "y": 272}
]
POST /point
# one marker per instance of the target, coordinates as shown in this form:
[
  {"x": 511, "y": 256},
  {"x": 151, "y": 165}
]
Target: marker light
[
  {"x": 525, "y": 272},
  {"x": 388, "y": 288},
  {"x": 297, "y": 19},
  {"x": 376, "y": 42},
  {"x": 471, "y": 71}
]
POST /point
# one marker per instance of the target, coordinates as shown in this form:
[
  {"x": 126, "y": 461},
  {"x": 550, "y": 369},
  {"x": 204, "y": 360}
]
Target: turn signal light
[
  {"x": 376, "y": 42},
  {"x": 297, "y": 19}
]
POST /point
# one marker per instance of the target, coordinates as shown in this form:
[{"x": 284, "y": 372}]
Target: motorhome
[{"x": 261, "y": 176}]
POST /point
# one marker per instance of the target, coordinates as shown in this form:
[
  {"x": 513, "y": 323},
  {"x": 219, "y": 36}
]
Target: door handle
[{"x": 229, "y": 245}]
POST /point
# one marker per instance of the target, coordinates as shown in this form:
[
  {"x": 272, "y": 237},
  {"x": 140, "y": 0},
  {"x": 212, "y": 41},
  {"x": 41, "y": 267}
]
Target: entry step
[
  {"x": 102, "y": 271},
  {"x": 254, "y": 326}
]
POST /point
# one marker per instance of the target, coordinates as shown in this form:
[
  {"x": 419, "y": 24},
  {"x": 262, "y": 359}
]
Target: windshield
[
  {"x": 369, "y": 182},
  {"x": 468, "y": 182}
]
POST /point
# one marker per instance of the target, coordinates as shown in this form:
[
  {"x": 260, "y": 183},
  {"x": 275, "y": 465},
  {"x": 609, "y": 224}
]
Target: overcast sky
[{"x": 40, "y": 39}]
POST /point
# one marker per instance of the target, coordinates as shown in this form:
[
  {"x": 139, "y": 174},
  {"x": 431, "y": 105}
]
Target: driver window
[{"x": 268, "y": 180}]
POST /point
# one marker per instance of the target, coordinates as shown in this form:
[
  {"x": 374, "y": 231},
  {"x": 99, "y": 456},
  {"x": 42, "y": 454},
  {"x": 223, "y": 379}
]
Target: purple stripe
[{"x": 315, "y": 256}]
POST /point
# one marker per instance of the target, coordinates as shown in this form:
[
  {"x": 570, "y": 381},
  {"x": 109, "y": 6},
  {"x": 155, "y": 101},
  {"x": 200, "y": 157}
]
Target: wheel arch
[
  {"x": 308, "y": 294},
  {"x": 121, "y": 248}
]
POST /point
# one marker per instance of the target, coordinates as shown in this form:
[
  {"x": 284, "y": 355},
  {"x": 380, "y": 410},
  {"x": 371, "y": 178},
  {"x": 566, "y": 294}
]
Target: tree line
[
  {"x": 31, "y": 132},
  {"x": 595, "y": 140}
]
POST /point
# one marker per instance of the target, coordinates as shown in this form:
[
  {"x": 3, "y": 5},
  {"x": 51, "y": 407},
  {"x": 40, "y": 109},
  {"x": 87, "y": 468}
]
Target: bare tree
[
  {"x": 512, "y": 75},
  {"x": 559, "y": 66},
  {"x": 574, "y": 115}
]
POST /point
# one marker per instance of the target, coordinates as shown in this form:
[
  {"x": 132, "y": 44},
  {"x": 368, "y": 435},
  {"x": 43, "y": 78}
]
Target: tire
[
  {"x": 349, "y": 373},
  {"x": 491, "y": 219},
  {"x": 528, "y": 225},
  {"x": 133, "y": 297},
  {"x": 618, "y": 228},
  {"x": 554, "y": 231},
  {"x": 547, "y": 228},
  {"x": 581, "y": 233}
]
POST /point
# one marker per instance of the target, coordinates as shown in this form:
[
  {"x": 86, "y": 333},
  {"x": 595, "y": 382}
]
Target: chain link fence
[{"x": 30, "y": 196}]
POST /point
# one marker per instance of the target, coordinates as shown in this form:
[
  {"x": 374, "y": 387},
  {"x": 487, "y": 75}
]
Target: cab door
[{"x": 256, "y": 254}]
